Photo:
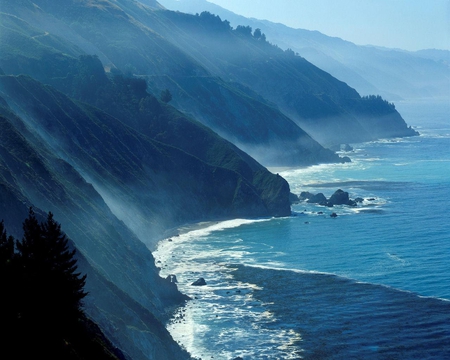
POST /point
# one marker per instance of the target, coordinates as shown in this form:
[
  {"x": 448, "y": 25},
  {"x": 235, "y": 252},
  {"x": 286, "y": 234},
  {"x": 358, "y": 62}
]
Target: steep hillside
[
  {"x": 124, "y": 35},
  {"x": 325, "y": 107},
  {"x": 108, "y": 251},
  {"x": 148, "y": 185},
  {"x": 162, "y": 184}
]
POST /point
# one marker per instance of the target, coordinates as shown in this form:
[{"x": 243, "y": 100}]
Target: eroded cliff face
[
  {"x": 122, "y": 279},
  {"x": 114, "y": 189}
]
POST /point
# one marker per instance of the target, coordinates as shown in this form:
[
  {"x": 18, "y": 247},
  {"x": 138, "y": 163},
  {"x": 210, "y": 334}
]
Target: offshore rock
[
  {"x": 199, "y": 282},
  {"x": 340, "y": 197},
  {"x": 318, "y": 199},
  {"x": 305, "y": 195},
  {"x": 293, "y": 199}
]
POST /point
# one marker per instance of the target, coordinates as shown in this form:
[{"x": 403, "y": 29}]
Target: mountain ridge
[{"x": 359, "y": 66}]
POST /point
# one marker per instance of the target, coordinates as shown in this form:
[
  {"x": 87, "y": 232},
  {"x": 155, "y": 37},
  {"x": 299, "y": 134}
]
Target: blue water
[{"x": 373, "y": 283}]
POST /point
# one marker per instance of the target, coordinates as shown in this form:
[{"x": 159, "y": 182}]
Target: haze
[{"x": 405, "y": 24}]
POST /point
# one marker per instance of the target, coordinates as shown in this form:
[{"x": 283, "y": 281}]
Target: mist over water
[{"x": 372, "y": 283}]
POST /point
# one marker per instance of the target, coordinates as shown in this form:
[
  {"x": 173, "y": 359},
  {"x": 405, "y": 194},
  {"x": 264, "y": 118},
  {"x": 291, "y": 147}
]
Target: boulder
[
  {"x": 359, "y": 200},
  {"x": 340, "y": 197},
  {"x": 293, "y": 199},
  {"x": 333, "y": 215},
  {"x": 305, "y": 195},
  {"x": 199, "y": 282},
  {"x": 318, "y": 199}
]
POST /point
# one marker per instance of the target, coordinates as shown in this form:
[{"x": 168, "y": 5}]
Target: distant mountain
[
  {"x": 392, "y": 73},
  {"x": 328, "y": 109},
  {"x": 158, "y": 46},
  {"x": 440, "y": 56}
]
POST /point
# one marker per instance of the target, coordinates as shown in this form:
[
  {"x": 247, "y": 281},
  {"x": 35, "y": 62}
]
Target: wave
[
  {"x": 341, "y": 318},
  {"x": 363, "y": 184},
  {"x": 335, "y": 275},
  {"x": 205, "y": 229}
]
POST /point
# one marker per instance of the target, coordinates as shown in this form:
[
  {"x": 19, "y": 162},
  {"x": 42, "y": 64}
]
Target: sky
[{"x": 405, "y": 24}]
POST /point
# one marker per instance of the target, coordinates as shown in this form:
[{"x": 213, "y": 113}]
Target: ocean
[{"x": 371, "y": 283}]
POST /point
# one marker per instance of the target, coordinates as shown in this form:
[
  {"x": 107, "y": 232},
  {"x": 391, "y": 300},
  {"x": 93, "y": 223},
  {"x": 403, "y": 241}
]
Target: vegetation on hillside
[{"x": 42, "y": 292}]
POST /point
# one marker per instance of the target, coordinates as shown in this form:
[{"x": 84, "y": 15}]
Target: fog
[
  {"x": 392, "y": 73},
  {"x": 405, "y": 24}
]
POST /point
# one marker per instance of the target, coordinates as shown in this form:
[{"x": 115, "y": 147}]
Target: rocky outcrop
[
  {"x": 293, "y": 199},
  {"x": 199, "y": 282},
  {"x": 318, "y": 199},
  {"x": 339, "y": 197}
]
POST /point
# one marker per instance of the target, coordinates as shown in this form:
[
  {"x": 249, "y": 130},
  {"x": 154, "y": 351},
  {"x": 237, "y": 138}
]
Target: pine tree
[
  {"x": 41, "y": 312},
  {"x": 51, "y": 290},
  {"x": 60, "y": 263},
  {"x": 6, "y": 246},
  {"x": 8, "y": 281}
]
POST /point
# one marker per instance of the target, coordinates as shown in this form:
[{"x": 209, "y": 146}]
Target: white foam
[{"x": 224, "y": 309}]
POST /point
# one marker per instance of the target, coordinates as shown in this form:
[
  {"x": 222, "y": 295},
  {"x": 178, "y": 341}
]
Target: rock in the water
[
  {"x": 318, "y": 199},
  {"x": 199, "y": 282},
  {"x": 359, "y": 200},
  {"x": 352, "y": 203},
  {"x": 293, "y": 199},
  {"x": 305, "y": 195},
  {"x": 340, "y": 197},
  {"x": 333, "y": 215}
]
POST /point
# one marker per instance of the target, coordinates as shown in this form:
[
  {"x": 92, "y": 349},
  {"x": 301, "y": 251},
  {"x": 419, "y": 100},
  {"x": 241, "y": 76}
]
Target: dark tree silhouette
[
  {"x": 41, "y": 313},
  {"x": 244, "y": 30},
  {"x": 61, "y": 266},
  {"x": 49, "y": 268},
  {"x": 8, "y": 280},
  {"x": 41, "y": 290},
  {"x": 6, "y": 247}
]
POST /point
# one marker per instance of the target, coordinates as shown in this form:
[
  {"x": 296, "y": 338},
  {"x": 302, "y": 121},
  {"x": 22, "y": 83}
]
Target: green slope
[
  {"x": 327, "y": 108},
  {"x": 123, "y": 36},
  {"x": 164, "y": 185}
]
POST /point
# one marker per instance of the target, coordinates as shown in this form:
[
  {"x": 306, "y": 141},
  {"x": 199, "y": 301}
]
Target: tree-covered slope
[
  {"x": 124, "y": 36},
  {"x": 391, "y": 73},
  {"x": 330, "y": 110}
]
